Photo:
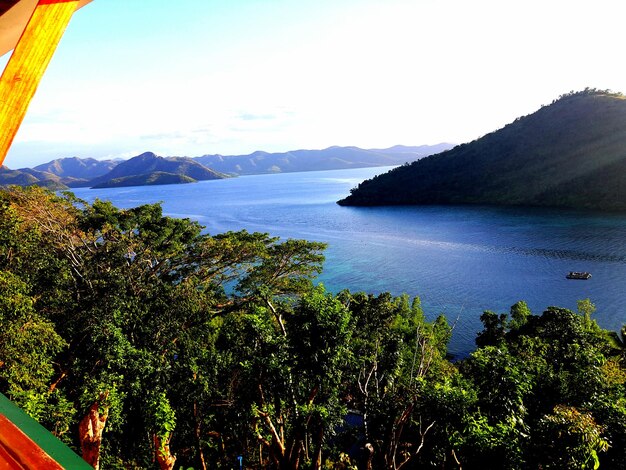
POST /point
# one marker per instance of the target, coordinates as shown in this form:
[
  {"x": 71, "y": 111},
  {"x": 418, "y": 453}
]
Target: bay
[{"x": 460, "y": 260}]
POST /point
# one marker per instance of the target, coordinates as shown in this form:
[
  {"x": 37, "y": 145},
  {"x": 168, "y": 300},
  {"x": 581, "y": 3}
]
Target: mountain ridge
[
  {"x": 76, "y": 172},
  {"x": 331, "y": 158},
  {"x": 79, "y": 168},
  {"x": 147, "y": 168}
]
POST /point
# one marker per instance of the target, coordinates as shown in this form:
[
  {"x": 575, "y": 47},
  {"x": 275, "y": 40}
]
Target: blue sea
[{"x": 460, "y": 260}]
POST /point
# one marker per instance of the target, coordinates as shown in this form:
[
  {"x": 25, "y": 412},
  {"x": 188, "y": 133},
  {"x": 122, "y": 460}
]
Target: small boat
[{"x": 578, "y": 275}]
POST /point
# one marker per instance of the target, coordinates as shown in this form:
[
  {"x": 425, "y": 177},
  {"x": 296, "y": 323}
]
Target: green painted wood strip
[{"x": 42, "y": 437}]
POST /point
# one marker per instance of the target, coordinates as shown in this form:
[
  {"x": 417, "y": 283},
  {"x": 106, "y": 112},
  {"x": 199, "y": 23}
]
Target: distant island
[
  {"x": 148, "y": 168},
  {"x": 571, "y": 154}
]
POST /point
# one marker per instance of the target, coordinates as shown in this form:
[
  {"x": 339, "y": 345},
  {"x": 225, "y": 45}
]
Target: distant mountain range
[
  {"x": 148, "y": 168},
  {"x": 571, "y": 153},
  {"x": 332, "y": 158},
  {"x": 144, "y": 169}
]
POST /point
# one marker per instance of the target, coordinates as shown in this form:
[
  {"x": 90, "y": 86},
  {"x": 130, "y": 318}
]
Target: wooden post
[{"x": 28, "y": 63}]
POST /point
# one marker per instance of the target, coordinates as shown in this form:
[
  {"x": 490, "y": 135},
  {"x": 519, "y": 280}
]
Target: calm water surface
[{"x": 459, "y": 260}]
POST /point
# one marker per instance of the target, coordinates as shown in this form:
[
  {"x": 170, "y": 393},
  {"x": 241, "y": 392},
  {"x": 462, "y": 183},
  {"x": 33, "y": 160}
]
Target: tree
[
  {"x": 138, "y": 298},
  {"x": 28, "y": 347},
  {"x": 399, "y": 355},
  {"x": 571, "y": 439},
  {"x": 495, "y": 327},
  {"x": 544, "y": 386}
]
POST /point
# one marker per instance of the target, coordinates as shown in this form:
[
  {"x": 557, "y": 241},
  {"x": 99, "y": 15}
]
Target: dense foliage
[
  {"x": 144, "y": 343},
  {"x": 568, "y": 154}
]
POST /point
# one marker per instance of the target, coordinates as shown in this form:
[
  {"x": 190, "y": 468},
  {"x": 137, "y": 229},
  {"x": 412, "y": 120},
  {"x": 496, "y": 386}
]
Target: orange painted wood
[
  {"x": 18, "y": 452},
  {"x": 28, "y": 63}
]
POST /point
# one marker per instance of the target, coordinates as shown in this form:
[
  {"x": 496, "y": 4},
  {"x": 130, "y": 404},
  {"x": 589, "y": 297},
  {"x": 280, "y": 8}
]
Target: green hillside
[
  {"x": 9, "y": 177},
  {"x": 157, "y": 177},
  {"x": 28, "y": 177},
  {"x": 571, "y": 153}
]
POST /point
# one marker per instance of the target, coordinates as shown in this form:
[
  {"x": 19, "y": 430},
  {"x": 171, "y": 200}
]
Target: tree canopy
[{"x": 143, "y": 342}]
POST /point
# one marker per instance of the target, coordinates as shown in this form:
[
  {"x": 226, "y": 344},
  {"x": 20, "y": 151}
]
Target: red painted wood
[{"x": 19, "y": 452}]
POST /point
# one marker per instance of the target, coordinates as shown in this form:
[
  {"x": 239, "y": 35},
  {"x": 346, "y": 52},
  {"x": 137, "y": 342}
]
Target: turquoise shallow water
[{"x": 459, "y": 260}]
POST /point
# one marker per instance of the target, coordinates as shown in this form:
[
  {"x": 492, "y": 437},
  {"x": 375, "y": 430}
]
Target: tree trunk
[
  {"x": 370, "y": 455},
  {"x": 198, "y": 434},
  {"x": 164, "y": 455},
  {"x": 90, "y": 432},
  {"x": 317, "y": 465},
  {"x": 395, "y": 435}
]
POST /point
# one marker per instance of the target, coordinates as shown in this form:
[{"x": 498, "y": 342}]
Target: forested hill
[{"x": 571, "y": 153}]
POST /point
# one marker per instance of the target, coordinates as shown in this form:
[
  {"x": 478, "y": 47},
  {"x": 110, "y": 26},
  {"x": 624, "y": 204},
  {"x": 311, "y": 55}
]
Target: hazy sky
[{"x": 192, "y": 77}]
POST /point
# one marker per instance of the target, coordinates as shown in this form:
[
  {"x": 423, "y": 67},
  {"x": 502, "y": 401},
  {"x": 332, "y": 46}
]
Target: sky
[{"x": 196, "y": 77}]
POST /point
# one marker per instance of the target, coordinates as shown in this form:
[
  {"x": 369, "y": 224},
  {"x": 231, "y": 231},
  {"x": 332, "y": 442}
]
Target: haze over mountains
[
  {"x": 571, "y": 153},
  {"x": 149, "y": 168},
  {"x": 332, "y": 158}
]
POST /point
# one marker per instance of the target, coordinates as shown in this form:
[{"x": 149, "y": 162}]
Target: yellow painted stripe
[{"x": 28, "y": 63}]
